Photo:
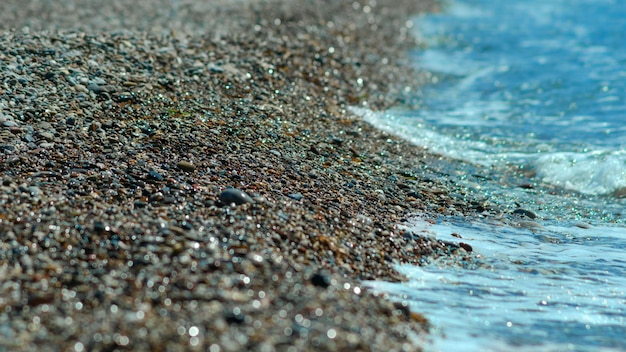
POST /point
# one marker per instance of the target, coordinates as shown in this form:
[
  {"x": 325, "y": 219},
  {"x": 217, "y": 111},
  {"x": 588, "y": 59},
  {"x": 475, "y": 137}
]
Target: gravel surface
[{"x": 184, "y": 175}]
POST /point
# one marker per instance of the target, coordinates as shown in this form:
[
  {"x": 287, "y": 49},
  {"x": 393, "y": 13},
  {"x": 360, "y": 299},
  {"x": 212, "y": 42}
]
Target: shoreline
[{"x": 118, "y": 146}]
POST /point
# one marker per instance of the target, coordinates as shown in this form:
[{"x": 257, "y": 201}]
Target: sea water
[
  {"x": 553, "y": 288},
  {"x": 524, "y": 92}
]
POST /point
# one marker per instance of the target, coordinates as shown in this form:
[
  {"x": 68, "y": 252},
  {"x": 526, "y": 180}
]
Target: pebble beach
[{"x": 186, "y": 175}]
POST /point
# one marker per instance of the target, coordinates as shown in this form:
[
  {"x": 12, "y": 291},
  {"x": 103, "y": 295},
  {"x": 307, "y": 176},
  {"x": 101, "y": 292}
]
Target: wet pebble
[
  {"x": 524, "y": 212},
  {"x": 531, "y": 225},
  {"x": 153, "y": 175},
  {"x": 296, "y": 196},
  {"x": 236, "y": 196},
  {"x": 466, "y": 246}
]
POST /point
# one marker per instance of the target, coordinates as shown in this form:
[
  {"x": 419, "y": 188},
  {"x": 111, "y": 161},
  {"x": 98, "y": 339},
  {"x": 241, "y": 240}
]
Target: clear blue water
[{"x": 541, "y": 85}]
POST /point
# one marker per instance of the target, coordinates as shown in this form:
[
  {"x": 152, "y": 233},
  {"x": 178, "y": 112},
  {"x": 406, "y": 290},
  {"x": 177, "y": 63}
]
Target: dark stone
[
  {"x": 98, "y": 227},
  {"x": 48, "y": 52},
  {"x": 620, "y": 192},
  {"x": 236, "y": 196},
  {"x": 50, "y": 76},
  {"x": 466, "y": 246},
  {"x": 153, "y": 175},
  {"x": 233, "y": 318},
  {"x": 125, "y": 97},
  {"x": 403, "y": 308},
  {"x": 320, "y": 280},
  {"x": 336, "y": 141},
  {"x": 524, "y": 212},
  {"x": 149, "y": 130},
  {"x": 186, "y": 225}
]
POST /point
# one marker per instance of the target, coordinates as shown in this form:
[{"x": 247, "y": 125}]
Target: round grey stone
[{"x": 96, "y": 88}]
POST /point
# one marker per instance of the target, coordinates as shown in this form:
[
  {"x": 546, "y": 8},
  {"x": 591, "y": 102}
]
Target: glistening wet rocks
[
  {"x": 234, "y": 196},
  {"x": 122, "y": 126}
]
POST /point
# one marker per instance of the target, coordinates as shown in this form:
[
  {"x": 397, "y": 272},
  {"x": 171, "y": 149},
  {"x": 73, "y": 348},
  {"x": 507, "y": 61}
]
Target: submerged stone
[{"x": 524, "y": 212}]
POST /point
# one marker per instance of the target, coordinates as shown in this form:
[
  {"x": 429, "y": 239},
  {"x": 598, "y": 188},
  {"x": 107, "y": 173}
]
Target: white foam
[
  {"x": 597, "y": 172},
  {"x": 419, "y": 134},
  {"x": 542, "y": 291}
]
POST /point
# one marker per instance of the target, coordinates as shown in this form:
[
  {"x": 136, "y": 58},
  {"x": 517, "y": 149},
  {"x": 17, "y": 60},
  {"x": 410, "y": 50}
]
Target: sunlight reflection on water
[{"x": 559, "y": 287}]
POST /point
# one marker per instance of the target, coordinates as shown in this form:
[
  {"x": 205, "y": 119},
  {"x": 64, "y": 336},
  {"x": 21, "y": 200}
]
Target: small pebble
[
  {"x": 186, "y": 166},
  {"x": 337, "y": 141},
  {"x": 98, "y": 227},
  {"x": 296, "y": 196},
  {"x": 524, "y": 212},
  {"x": 81, "y": 88},
  {"x": 236, "y": 196},
  {"x": 235, "y": 318},
  {"x": 153, "y": 175},
  {"x": 320, "y": 280},
  {"x": 466, "y": 246},
  {"x": 34, "y": 191},
  {"x": 124, "y": 97},
  {"x": 49, "y": 136},
  {"x": 95, "y": 88}
]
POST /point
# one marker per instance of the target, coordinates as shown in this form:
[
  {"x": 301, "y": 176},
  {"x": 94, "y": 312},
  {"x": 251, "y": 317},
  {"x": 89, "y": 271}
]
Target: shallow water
[
  {"x": 533, "y": 92},
  {"x": 560, "y": 287}
]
